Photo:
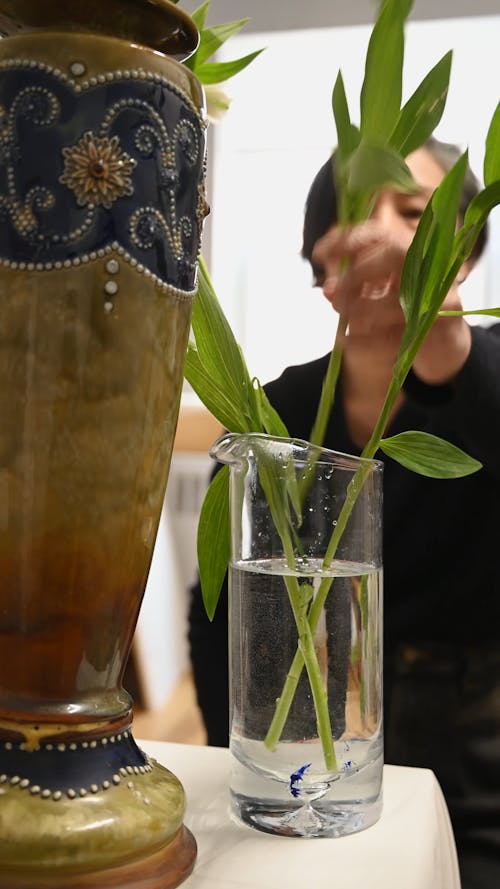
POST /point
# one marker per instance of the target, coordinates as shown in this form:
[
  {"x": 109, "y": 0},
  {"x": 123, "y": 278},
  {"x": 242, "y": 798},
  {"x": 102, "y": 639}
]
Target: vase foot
[
  {"x": 165, "y": 869},
  {"x": 291, "y": 820},
  {"x": 93, "y": 812}
]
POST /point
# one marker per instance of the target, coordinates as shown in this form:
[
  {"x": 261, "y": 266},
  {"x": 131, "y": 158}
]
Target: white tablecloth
[{"x": 411, "y": 847}]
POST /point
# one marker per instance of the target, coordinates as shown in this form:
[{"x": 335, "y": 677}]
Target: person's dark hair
[{"x": 321, "y": 203}]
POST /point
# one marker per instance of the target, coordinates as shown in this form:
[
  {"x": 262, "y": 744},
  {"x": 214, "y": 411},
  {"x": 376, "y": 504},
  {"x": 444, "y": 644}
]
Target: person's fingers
[
  {"x": 338, "y": 244},
  {"x": 350, "y": 259},
  {"x": 370, "y": 278},
  {"x": 374, "y": 265},
  {"x": 330, "y": 287},
  {"x": 350, "y": 240},
  {"x": 339, "y": 247}
]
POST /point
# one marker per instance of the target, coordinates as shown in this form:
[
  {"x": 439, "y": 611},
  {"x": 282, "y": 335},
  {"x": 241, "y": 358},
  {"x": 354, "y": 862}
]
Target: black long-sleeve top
[{"x": 441, "y": 537}]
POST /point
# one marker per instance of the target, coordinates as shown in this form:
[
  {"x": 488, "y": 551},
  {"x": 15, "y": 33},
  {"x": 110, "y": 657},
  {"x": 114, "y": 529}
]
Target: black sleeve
[{"x": 470, "y": 406}]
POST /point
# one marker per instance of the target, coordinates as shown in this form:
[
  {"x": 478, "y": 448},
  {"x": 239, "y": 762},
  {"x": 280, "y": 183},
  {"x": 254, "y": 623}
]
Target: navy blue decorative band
[
  {"x": 118, "y": 161},
  {"x": 72, "y": 770}
]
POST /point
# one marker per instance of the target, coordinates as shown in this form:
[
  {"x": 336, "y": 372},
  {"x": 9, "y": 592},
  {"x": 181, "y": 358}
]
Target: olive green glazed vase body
[{"x": 102, "y": 155}]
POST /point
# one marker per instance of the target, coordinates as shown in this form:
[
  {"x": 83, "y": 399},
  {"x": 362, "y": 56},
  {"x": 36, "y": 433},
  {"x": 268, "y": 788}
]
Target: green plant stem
[
  {"x": 306, "y": 635},
  {"x": 329, "y": 385},
  {"x": 310, "y": 659},
  {"x": 353, "y": 490},
  {"x": 306, "y": 652},
  {"x": 408, "y": 351},
  {"x": 285, "y": 700}
]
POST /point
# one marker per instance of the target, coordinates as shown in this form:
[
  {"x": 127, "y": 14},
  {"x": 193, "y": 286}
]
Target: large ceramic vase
[{"x": 101, "y": 206}]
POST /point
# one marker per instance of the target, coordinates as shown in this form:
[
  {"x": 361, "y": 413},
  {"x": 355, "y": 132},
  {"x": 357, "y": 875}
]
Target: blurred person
[{"x": 441, "y": 579}]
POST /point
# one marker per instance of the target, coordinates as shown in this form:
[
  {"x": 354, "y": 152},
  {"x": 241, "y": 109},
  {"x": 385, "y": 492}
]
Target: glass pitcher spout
[{"x": 235, "y": 448}]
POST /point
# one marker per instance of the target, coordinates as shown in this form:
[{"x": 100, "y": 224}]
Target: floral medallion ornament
[
  {"x": 97, "y": 170},
  {"x": 82, "y": 161}
]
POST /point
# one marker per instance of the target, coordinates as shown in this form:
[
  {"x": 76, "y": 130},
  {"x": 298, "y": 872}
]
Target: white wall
[
  {"x": 281, "y": 15},
  {"x": 278, "y": 132}
]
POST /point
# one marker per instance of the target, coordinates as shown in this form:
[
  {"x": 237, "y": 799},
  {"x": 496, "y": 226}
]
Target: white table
[{"x": 411, "y": 847}]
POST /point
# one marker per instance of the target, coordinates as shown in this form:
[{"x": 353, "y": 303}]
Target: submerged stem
[
  {"x": 353, "y": 490},
  {"x": 285, "y": 700},
  {"x": 298, "y": 604},
  {"x": 310, "y": 659},
  {"x": 319, "y": 694}
]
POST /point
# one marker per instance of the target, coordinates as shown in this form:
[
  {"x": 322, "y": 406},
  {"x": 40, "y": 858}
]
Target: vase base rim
[{"x": 164, "y": 869}]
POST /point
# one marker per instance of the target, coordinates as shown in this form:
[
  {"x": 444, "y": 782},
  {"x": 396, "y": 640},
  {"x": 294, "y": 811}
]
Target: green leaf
[
  {"x": 429, "y": 455},
  {"x": 348, "y": 135},
  {"x": 382, "y": 85},
  {"x": 481, "y": 205},
  {"x": 216, "y": 369},
  {"x": 445, "y": 204},
  {"x": 348, "y": 138},
  {"x": 217, "y": 348},
  {"x": 422, "y": 112},
  {"x": 411, "y": 287},
  {"x": 447, "y": 313},
  {"x": 372, "y": 167},
  {"x": 431, "y": 263},
  {"x": 475, "y": 218},
  {"x": 211, "y": 39},
  {"x": 217, "y": 72},
  {"x": 199, "y": 15},
  {"x": 214, "y": 540},
  {"x": 213, "y": 397},
  {"x": 270, "y": 420},
  {"x": 491, "y": 170}
]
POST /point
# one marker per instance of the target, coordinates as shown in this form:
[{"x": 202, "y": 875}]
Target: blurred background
[{"x": 262, "y": 157}]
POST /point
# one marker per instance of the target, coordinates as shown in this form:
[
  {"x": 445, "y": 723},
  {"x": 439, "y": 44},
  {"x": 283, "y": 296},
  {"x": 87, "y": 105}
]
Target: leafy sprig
[
  {"x": 216, "y": 370},
  {"x": 210, "y": 73},
  {"x": 368, "y": 159},
  {"x": 211, "y": 39},
  {"x": 371, "y": 158}
]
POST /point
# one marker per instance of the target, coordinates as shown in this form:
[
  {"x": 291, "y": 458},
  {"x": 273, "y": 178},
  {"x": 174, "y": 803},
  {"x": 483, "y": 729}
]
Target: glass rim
[{"x": 334, "y": 457}]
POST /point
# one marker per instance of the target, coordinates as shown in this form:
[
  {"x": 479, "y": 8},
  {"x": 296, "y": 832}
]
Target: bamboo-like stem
[
  {"x": 400, "y": 372},
  {"x": 353, "y": 490},
  {"x": 329, "y": 387},
  {"x": 306, "y": 647},
  {"x": 310, "y": 659}
]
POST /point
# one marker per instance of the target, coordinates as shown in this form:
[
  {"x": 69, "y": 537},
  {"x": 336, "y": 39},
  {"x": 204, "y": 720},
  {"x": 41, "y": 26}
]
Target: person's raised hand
[
  {"x": 359, "y": 270},
  {"x": 360, "y": 275}
]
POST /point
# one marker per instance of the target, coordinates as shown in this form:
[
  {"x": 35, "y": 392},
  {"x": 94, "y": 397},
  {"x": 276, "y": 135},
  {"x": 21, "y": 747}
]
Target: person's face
[{"x": 400, "y": 213}]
